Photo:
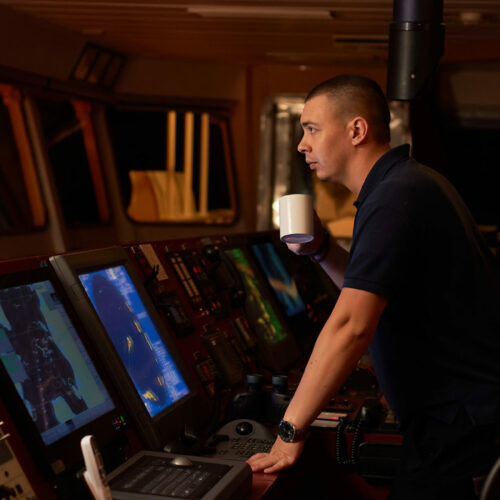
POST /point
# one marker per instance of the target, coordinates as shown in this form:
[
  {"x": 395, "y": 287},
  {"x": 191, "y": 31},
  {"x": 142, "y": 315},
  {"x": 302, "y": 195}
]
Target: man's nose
[{"x": 302, "y": 147}]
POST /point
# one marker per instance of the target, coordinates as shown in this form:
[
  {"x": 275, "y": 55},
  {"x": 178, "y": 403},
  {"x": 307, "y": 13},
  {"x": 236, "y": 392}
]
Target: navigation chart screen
[
  {"x": 257, "y": 306},
  {"x": 47, "y": 362},
  {"x": 130, "y": 328},
  {"x": 278, "y": 278}
]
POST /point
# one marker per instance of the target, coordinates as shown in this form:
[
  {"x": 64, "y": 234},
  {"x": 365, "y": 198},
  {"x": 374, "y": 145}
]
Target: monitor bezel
[
  {"x": 169, "y": 424},
  {"x": 63, "y": 455}
]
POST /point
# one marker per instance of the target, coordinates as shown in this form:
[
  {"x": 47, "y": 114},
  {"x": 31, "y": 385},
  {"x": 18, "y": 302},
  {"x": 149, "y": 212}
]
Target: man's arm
[
  {"x": 342, "y": 341},
  {"x": 334, "y": 261}
]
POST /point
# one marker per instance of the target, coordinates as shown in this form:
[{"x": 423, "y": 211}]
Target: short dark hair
[{"x": 358, "y": 95}]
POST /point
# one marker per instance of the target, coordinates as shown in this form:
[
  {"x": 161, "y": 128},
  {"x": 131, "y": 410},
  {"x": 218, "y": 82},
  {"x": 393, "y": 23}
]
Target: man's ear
[{"x": 358, "y": 128}]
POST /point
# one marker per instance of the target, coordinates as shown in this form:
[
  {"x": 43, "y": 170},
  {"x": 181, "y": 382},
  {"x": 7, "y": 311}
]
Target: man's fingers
[
  {"x": 279, "y": 465},
  {"x": 268, "y": 462},
  {"x": 282, "y": 455},
  {"x": 261, "y": 461},
  {"x": 254, "y": 460},
  {"x": 295, "y": 247}
]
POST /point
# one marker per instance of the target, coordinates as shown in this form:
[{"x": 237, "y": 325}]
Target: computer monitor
[
  {"x": 128, "y": 332},
  {"x": 277, "y": 347},
  {"x": 304, "y": 293},
  {"x": 278, "y": 278},
  {"x": 49, "y": 381}
]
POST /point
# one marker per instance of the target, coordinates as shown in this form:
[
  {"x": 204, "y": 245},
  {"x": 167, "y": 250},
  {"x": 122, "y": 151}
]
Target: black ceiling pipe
[{"x": 416, "y": 44}]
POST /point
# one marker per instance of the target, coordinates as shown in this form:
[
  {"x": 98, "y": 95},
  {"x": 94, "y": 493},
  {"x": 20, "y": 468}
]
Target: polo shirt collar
[{"x": 380, "y": 168}]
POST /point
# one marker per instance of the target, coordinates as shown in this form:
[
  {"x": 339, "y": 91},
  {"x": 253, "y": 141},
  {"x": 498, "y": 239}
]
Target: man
[{"x": 418, "y": 287}]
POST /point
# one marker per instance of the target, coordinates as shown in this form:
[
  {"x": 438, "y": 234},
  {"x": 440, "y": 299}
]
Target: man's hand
[
  {"x": 330, "y": 255},
  {"x": 310, "y": 247},
  {"x": 281, "y": 456}
]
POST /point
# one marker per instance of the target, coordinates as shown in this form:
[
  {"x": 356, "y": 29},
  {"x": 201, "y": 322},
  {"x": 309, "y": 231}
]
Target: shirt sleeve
[{"x": 384, "y": 252}]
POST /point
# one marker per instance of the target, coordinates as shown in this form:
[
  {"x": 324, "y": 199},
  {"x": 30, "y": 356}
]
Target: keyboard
[
  {"x": 242, "y": 438},
  {"x": 240, "y": 448},
  {"x": 153, "y": 475}
]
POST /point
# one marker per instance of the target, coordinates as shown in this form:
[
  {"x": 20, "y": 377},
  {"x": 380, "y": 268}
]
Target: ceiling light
[
  {"x": 241, "y": 11},
  {"x": 471, "y": 18}
]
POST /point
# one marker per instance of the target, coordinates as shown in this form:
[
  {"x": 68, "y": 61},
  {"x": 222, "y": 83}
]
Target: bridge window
[
  {"x": 174, "y": 166},
  {"x": 21, "y": 204},
  {"x": 72, "y": 152}
]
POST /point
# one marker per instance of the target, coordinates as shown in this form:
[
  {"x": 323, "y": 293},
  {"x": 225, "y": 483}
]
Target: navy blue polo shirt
[{"x": 437, "y": 345}]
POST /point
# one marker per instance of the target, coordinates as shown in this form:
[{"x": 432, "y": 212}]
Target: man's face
[{"x": 326, "y": 141}]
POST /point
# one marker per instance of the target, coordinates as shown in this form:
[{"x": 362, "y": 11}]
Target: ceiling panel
[{"x": 249, "y": 31}]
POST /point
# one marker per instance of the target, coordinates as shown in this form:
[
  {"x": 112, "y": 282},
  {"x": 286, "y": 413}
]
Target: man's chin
[{"x": 321, "y": 175}]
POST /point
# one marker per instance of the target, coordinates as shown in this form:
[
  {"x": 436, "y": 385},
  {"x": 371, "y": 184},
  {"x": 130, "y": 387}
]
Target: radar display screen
[{"x": 135, "y": 338}]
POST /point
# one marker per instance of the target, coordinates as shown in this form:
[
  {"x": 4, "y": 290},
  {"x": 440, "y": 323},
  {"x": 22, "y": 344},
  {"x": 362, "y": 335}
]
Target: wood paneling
[{"x": 250, "y": 31}]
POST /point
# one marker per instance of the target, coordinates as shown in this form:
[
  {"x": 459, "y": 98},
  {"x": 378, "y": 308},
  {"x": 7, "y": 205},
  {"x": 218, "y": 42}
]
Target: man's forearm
[
  {"x": 335, "y": 263},
  {"x": 343, "y": 340},
  {"x": 332, "y": 360}
]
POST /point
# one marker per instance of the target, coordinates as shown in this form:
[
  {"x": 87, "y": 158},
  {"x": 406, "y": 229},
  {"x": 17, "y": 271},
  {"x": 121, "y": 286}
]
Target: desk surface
[
  {"x": 261, "y": 484},
  {"x": 317, "y": 472}
]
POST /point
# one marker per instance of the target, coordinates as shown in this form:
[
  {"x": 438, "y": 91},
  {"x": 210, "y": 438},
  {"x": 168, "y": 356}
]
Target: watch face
[{"x": 286, "y": 431}]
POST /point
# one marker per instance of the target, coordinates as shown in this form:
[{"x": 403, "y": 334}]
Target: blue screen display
[
  {"x": 278, "y": 278},
  {"x": 130, "y": 328},
  {"x": 47, "y": 362}
]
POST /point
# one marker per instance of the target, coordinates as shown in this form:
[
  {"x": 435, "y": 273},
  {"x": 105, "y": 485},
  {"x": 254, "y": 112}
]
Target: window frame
[
  {"x": 220, "y": 115},
  {"x": 12, "y": 99}
]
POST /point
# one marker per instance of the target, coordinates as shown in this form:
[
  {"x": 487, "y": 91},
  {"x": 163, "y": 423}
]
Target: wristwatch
[{"x": 289, "y": 433}]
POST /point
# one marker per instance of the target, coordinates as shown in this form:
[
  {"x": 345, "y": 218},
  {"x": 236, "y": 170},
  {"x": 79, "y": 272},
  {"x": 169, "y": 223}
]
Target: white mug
[{"x": 296, "y": 218}]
